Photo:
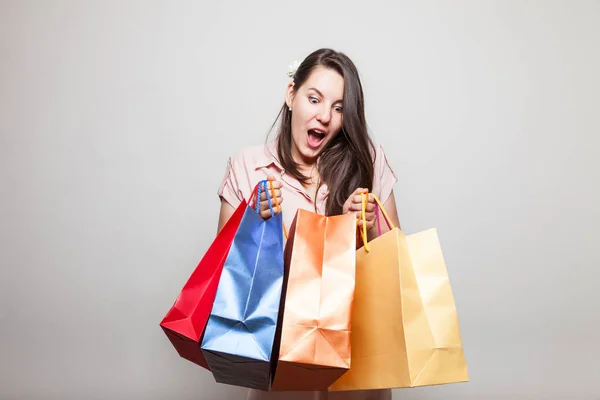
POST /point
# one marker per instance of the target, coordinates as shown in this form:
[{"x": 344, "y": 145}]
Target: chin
[{"x": 309, "y": 153}]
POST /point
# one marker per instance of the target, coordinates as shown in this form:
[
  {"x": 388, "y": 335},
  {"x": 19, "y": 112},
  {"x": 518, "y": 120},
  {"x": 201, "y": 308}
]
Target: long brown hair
[{"x": 347, "y": 162}]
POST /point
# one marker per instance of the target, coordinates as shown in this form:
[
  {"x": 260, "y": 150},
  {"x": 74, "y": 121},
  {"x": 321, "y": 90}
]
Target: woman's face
[{"x": 316, "y": 113}]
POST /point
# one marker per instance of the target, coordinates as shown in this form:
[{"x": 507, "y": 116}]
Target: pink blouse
[{"x": 253, "y": 164}]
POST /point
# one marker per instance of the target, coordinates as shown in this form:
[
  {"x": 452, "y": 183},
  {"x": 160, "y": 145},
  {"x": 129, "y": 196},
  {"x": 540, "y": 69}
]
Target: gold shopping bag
[{"x": 405, "y": 330}]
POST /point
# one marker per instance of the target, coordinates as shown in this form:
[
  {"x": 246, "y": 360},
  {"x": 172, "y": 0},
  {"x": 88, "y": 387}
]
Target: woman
[{"x": 322, "y": 159}]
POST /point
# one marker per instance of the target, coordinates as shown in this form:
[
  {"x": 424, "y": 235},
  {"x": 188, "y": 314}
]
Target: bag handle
[
  {"x": 278, "y": 207},
  {"x": 252, "y": 199},
  {"x": 363, "y": 217},
  {"x": 262, "y": 186},
  {"x": 379, "y": 207},
  {"x": 386, "y": 217}
]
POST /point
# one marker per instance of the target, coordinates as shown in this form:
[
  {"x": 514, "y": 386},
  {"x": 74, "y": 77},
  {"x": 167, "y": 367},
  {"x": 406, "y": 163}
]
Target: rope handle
[
  {"x": 262, "y": 186},
  {"x": 379, "y": 207},
  {"x": 278, "y": 207}
]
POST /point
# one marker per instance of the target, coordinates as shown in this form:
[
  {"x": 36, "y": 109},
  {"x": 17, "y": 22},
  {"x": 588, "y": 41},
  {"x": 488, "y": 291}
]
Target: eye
[
  {"x": 338, "y": 108},
  {"x": 313, "y": 100}
]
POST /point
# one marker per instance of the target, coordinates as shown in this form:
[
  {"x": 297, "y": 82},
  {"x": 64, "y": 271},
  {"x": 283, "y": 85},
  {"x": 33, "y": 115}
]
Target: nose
[{"x": 324, "y": 115}]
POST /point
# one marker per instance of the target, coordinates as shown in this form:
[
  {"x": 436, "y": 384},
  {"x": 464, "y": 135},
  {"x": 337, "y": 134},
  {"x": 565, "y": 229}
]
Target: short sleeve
[
  {"x": 229, "y": 190},
  {"x": 384, "y": 177}
]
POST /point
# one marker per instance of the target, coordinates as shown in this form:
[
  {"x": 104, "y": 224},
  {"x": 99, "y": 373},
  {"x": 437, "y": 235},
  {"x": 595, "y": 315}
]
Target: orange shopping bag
[
  {"x": 405, "y": 330},
  {"x": 320, "y": 264}
]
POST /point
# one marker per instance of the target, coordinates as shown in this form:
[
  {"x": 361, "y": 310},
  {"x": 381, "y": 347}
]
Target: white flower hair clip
[{"x": 292, "y": 68}]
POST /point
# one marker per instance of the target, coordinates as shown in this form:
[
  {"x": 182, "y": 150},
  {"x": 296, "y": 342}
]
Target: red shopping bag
[{"x": 185, "y": 322}]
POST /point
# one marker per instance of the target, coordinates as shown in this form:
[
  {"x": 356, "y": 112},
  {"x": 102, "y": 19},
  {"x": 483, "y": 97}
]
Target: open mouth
[{"x": 315, "y": 137}]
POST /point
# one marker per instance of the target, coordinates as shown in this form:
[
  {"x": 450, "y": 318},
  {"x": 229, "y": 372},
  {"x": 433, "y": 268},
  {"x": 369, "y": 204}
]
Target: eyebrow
[{"x": 321, "y": 94}]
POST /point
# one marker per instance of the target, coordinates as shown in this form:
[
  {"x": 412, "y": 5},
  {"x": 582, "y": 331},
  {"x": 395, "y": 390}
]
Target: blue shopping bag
[{"x": 240, "y": 332}]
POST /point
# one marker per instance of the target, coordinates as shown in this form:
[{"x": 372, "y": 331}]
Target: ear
[{"x": 289, "y": 94}]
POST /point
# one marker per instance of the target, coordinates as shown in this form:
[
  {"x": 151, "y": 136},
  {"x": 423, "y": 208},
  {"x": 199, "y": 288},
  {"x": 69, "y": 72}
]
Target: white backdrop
[{"x": 117, "y": 118}]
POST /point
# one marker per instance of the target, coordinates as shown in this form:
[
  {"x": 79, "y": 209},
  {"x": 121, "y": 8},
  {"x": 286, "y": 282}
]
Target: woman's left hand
[{"x": 354, "y": 205}]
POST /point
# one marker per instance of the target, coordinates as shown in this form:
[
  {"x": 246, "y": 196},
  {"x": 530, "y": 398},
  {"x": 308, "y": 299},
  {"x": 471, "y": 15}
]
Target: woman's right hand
[{"x": 265, "y": 211}]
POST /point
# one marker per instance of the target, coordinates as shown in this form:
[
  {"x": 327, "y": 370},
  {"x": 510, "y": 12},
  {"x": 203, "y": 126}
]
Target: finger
[
  {"x": 276, "y": 183},
  {"x": 358, "y": 199},
  {"x": 265, "y": 214},
  {"x": 264, "y": 204},
  {"x": 276, "y": 201},
  {"x": 370, "y": 221},
  {"x": 346, "y": 207},
  {"x": 355, "y": 198},
  {"x": 355, "y": 207},
  {"x": 370, "y": 217},
  {"x": 263, "y": 195},
  {"x": 369, "y": 224},
  {"x": 356, "y": 194},
  {"x": 370, "y": 208}
]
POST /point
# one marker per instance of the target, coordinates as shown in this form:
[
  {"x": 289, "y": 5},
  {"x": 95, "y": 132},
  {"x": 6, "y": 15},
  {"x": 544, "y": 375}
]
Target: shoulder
[
  {"x": 379, "y": 156},
  {"x": 384, "y": 180},
  {"x": 253, "y": 157},
  {"x": 244, "y": 170},
  {"x": 384, "y": 177}
]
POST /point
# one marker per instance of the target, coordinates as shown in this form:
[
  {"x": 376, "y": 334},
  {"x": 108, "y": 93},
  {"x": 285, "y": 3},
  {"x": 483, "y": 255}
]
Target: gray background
[{"x": 488, "y": 111}]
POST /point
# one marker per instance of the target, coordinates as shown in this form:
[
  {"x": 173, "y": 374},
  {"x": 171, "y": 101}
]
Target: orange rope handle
[
  {"x": 385, "y": 214},
  {"x": 363, "y": 231},
  {"x": 363, "y": 216},
  {"x": 278, "y": 207}
]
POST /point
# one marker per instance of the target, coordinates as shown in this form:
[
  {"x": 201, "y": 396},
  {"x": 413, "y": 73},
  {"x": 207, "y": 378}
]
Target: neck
[
  {"x": 305, "y": 166},
  {"x": 307, "y": 169}
]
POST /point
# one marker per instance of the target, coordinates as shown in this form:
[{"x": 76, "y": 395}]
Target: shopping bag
[
  {"x": 314, "y": 346},
  {"x": 405, "y": 330},
  {"x": 238, "y": 340},
  {"x": 186, "y": 320}
]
